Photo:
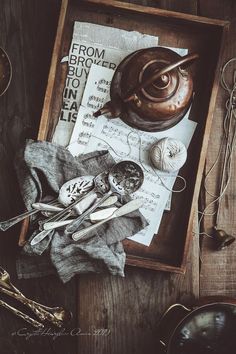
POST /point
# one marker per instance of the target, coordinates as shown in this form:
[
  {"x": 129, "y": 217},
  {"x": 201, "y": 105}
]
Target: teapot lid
[
  {"x": 164, "y": 86},
  {"x": 154, "y": 73}
]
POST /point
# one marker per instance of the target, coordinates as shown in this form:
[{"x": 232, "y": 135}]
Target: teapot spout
[
  {"x": 104, "y": 110},
  {"x": 110, "y": 109}
]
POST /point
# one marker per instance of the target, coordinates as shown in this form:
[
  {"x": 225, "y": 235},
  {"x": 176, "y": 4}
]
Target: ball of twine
[{"x": 168, "y": 154}]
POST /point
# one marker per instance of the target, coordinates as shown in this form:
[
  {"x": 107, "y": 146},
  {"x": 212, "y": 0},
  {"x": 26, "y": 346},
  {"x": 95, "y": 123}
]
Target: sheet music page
[
  {"x": 91, "y": 43},
  {"x": 123, "y": 142},
  {"x": 96, "y": 93}
]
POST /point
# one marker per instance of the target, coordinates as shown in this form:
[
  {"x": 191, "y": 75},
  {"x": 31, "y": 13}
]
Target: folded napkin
[{"x": 42, "y": 168}]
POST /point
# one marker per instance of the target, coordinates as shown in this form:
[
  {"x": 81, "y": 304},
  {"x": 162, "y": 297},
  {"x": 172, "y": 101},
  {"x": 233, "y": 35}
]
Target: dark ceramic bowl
[{"x": 208, "y": 329}]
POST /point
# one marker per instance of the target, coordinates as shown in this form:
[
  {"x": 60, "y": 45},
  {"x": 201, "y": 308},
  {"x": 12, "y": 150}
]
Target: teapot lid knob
[{"x": 159, "y": 78}]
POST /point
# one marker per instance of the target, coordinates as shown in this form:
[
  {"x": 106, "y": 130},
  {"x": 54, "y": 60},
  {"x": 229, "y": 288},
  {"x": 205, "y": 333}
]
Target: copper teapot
[{"x": 151, "y": 89}]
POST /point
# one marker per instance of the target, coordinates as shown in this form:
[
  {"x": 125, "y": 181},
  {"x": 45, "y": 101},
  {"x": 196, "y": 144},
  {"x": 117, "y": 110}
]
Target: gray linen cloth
[{"x": 42, "y": 168}]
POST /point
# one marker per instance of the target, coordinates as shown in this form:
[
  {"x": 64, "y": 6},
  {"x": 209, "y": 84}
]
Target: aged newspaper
[{"x": 101, "y": 45}]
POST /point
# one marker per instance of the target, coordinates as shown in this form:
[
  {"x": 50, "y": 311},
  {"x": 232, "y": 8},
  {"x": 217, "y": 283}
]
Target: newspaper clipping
[{"x": 101, "y": 45}]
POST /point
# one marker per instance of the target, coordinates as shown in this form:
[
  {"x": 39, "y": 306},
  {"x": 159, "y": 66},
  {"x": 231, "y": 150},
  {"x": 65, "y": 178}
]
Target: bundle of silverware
[
  {"x": 57, "y": 316},
  {"x": 80, "y": 198}
]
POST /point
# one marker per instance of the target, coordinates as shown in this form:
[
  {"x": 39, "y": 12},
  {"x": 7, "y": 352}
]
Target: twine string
[
  {"x": 141, "y": 161},
  {"x": 225, "y": 151}
]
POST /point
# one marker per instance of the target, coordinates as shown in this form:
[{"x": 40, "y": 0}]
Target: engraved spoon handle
[
  {"x": 56, "y": 224},
  {"x": 79, "y": 234},
  {"x": 5, "y": 225},
  {"x": 21, "y": 315},
  {"x": 39, "y": 237},
  {"x": 44, "y": 233}
]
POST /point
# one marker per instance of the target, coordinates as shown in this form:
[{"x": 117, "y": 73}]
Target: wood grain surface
[
  {"x": 218, "y": 275},
  {"x": 27, "y": 32},
  {"x": 129, "y": 308}
]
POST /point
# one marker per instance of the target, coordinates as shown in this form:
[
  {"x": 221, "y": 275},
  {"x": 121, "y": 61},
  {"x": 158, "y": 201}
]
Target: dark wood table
[{"x": 129, "y": 308}]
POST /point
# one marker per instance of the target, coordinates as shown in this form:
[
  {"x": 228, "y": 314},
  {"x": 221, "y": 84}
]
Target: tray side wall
[
  {"x": 205, "y": 141},
  {"x": 45, "y": 117}
]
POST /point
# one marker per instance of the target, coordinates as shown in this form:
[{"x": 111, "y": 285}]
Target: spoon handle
[
  {"x": 55, "y": 224},
  {"x": 5, "y": 225},
  {"x": 72, "y": 227},
  {"x": 47, "y": 207},
  {"x": 40, "y": 237},
  {"x": 44, "y": 233},
  {"x": 79, "y": 234}
]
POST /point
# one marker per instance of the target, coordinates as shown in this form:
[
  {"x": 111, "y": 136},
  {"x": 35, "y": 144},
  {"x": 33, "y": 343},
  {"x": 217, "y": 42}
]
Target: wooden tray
[{"x": 168, "y": 250}]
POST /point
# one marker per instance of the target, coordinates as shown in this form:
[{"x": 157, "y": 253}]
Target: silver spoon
[
  {"x": 69, "y": 209},
  {"x": 125, "y": 209},
  {"x": 4, "y": 225},
  {"x": 125, "y": 177}
]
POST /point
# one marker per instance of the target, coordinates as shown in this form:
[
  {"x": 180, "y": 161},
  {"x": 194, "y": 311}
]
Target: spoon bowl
[{"x": 126, "y": 177}]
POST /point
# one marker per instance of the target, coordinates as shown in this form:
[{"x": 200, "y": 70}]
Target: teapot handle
[
  {"x": 169, "y": 321},
  {"x": 187, "y": 59}
]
